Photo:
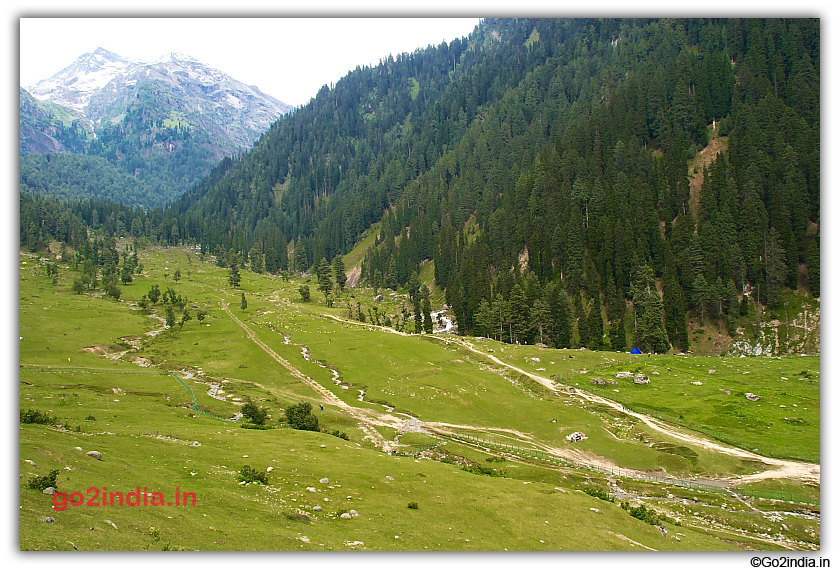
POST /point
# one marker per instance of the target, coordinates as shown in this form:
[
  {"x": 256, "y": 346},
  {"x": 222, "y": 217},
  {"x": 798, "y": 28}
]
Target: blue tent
[{"x": 635, "y": 351}]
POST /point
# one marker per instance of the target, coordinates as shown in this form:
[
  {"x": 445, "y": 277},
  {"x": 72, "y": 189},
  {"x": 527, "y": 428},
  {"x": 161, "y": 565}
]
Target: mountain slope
[{"x": 100, "y": 85}]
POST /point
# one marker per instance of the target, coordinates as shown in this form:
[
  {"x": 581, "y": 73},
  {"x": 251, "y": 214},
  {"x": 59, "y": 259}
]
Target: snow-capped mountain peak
[{"x": 101, "y": 84}]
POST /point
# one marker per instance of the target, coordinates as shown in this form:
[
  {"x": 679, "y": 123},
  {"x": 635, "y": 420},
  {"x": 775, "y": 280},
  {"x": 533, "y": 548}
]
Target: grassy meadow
[{"x": 105, "y": 371}]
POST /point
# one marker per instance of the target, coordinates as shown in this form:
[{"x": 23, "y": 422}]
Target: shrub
[
  {"x": 336, "y": 433},
  {"x": 478, "y": 469},
  {"x": 41, "y": 483},
  {"x": 642, "y": 513},
  {"x": 300, "y": 416},
  {"x": 304, "y": 292},
  {"x": 255, "y": 426},
  {"x": 599, "y": 493},
  {"x": 36, "y": 417},
  {"x": 250, "y": 475},
  {"x": 256, "y": 414},
  {"x": 413, "y": 505}
]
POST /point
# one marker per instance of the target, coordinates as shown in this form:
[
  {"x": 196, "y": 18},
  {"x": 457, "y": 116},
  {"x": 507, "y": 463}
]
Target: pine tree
[
  {"x": 325, "y": 283},
  {"x": 301, "y": 263},
  {"x": 518, "y": 314},
  {"x": 775, "y": 268},
  {"x": 651, "y": 335},
  {"x": 618, "y": 336},
  {"x": 418, "y": 315},
  {"x": 340, "y": 273},
  {"x": 595, "y": 326},
  {"x": 814, "y": 266},
  {"x": 562, "y": 314},
  {"x": 427, "y": 309},
  {"x": 234, "y": 278},
  {"x": 702, "y": 295},
  {"x": 540, "y": 318},
  {"x": 391, "y": 277},
  {"x": 244, "y": 302}
]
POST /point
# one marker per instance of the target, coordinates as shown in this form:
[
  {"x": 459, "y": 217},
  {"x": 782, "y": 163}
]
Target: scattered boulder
[
  {"x": 312, "y": 489},
  {"x": 751, "y": 397},
  {"x": 624, "y": 375},
  {"x": 595, "y": 510},
  {"x": 353, "y": 513},
  {"x": 49, "y": 520},
  {"x": 346, "y": 516},
  {"x": 378, "y": 299},
  {"x": 541, "y": 345},
  {"x": 95, "y": 454},
  {"x": 32, "y": 463},
  {"x": 269, "y": 469},
  {"x": 49, "y": 491},
  {"x": 641, "y": 379},
  {"x": 663, "y": 530},
  {"x": 728, "y": 392},
  {"x": 354, "y": 544},
  {"x": 389, "y": 478},
  {"x": 599, "y": 381},
  {"x": 79, "y": 449},
  {"x": 712, "y": 371},
  {"x": 305, "y": 539},
  {"x": 325, "y": 481},
  {"x": 318, "y": 508},
  {"x": 697, "y": 383}
]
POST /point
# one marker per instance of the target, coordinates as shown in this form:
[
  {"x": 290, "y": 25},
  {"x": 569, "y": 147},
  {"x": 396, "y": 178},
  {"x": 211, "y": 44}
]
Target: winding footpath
[{"x": 369, "y": 418}]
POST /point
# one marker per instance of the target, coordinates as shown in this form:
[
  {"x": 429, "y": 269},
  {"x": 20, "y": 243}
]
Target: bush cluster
[
  {"x": 336, "y": 433},
  {"x": 250, "y": 475},
  {"x": 599, "y": 493},
  {"x": 300, "y": 416},
  {"x": 643, "y": 513},
  {"x": 41, "y": 483},
  {"x": 478, "y": 469},
  {"x": 36, "y": 417}
]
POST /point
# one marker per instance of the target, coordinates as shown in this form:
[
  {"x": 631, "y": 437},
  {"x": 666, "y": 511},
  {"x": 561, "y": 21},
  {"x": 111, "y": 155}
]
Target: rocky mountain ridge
[{"x": 99, "y": 86}]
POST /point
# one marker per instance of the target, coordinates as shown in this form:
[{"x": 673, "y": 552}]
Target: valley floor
[{"x": 447, "y": 442}]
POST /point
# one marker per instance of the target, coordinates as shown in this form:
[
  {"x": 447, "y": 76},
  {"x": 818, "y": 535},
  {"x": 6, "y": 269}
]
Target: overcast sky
[{"x": 288, "y": 58}]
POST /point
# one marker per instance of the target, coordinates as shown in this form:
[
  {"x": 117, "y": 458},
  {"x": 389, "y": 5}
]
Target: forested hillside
[
  {"x": 544, "y": 166},
  {"x": 147, "y": 159}
]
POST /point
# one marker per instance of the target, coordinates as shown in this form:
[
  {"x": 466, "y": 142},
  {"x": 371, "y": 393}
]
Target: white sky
[{"x": 288, "y": 58}]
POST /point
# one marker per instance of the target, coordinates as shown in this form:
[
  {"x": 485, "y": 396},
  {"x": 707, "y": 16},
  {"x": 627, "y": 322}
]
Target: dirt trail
[
  {"x": 784, "y": 468},
  {"x": 367, "y": 418}
]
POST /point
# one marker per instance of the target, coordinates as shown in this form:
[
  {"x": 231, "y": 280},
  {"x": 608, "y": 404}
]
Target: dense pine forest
[{"x": 573, "y": 181}]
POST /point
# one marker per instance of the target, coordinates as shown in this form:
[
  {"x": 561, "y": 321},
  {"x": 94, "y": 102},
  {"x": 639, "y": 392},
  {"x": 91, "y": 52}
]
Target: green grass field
[{"x": 90, "y": 361}]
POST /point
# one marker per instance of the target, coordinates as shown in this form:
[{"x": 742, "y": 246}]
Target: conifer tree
[
  {"x": 427, "y": 309},
  {"x": 234, "y": 278},
  {"x": 325, "y": 283},
  {"x": 391, "y": 277},
  {"x": 814, "y": 266},
  {"x": 340, "y": 273}
]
